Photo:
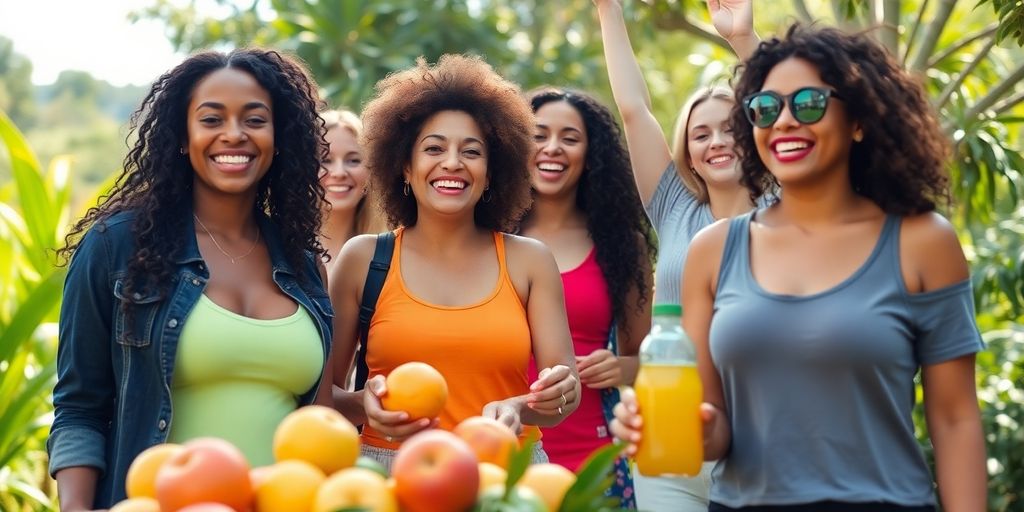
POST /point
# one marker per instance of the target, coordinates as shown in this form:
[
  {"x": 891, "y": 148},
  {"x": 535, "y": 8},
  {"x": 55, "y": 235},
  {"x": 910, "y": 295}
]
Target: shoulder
[
  {"x": 930, "y": 252},
  {"x": 524, "y": 248},
  {"x": 710, "y": 239},
  {"x": 354, "y": 258}
]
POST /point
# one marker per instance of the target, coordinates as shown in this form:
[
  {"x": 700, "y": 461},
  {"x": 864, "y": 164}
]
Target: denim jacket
[{"x": 113, "y": 394}]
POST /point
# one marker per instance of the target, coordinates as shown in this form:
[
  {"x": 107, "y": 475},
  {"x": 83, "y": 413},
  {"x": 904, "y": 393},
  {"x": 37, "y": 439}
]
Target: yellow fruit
[
  {"x": 144, "y": 504},
  {"x": 491, "y": 474},
  {"x": 141, "y": 479},
  {"x": 550, "y": 482},
  {"x": 318, "y": 435},
  {"x": 289, "y": 485},
  {"x": 355, "y": 488}
]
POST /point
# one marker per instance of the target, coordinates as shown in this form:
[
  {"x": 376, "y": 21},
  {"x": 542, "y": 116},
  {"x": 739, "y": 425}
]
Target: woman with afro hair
[
  {"x": 195, "y": 301},
  {"x": 587, "y": 211},
  {"x": 811, "y": 317},
  {"x": 449, "y": 148}
]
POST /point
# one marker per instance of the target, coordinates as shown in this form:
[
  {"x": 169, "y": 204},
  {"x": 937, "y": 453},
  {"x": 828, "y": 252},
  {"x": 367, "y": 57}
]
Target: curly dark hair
[
  {"x": 900, "y": 163},
  {"x": 404, "y": 102},
  {"x": 156, "y": 180},
  {"x": 607, "y": 195}
]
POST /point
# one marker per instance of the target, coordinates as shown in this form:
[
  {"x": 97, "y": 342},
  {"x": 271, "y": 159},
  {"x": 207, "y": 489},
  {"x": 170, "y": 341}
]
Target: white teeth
[
  {"x": 450, "y": 184},
  {"x": 550, "y": 166},
  {"x": 232, "y": 159},
  {"x": 790, "y": 146},
  {"x": 720, "y": 159},
  {"x": 339, "y": 188}
]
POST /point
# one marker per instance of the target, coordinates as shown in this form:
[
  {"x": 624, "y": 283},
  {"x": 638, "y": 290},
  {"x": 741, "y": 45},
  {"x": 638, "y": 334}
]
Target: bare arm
[
  {"x": 346, "y": 289},
  {"x": 323, "y": 392},
  {"x": 954, "y": 425},
  {"x": 649, "y": 151},
  {"x": 76, "y": 488},
  {"x": 698, "y": 297}
]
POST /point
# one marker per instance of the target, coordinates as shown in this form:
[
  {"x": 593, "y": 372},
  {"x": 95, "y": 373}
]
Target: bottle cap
[{"x": 667, "y": 310}]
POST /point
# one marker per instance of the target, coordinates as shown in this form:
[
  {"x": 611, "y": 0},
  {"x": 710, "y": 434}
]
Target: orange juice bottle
[{"x": 669, "y": 393}]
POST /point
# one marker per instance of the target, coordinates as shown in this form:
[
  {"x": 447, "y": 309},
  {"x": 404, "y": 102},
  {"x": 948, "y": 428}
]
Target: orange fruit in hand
[
  {"x": 287, "y": 485},
  {"x": 416, "y": 388},
  {"x": 318, "y": 435},
  {"x": 549, "y": 481},
  {"x": 490, "y": 439},
  {"x": 141, "y": 479}
]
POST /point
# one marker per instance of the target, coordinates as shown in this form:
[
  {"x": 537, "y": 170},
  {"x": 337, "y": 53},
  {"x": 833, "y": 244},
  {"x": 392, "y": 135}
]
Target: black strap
[{"x": 378, "y": 271}]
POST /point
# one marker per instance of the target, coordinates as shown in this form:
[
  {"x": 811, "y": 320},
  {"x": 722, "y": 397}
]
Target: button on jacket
[{"x": 113, "y": 394}]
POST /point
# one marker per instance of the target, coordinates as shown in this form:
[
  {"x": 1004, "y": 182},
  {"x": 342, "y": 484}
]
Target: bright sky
[{"x": 87, "y": 35}]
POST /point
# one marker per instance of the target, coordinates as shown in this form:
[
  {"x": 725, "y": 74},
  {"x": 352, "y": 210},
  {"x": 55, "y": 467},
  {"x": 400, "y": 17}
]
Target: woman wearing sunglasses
[{"x": 812, "y": 317}]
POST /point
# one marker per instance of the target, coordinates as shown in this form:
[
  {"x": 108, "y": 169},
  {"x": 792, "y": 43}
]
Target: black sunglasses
[{"x": 807, "y": 105}]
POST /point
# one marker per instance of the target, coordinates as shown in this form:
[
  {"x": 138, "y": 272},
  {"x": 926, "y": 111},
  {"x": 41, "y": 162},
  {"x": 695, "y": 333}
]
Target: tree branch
[
  {"x": 989, "y": 31},
  {"x": 947, "y": 93},
  {"x": 914, "y": 30},
  {"x": 675, "y": 20},
  {"x": 995, "y": 93},
  {"x": 890, "y": 20},
  {"x": 801, "y": 10},
  {"x": 932, "y": 32},
  {"x": 1008, "y": 103}
]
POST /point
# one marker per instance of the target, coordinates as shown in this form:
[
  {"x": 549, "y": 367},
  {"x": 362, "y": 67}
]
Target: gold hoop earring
[
  {"x": 405, "y": 189},
  {"x": 486, "y": 197}
]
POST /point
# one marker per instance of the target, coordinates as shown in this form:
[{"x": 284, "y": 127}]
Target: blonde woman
[{"x": 344, "y": 178}]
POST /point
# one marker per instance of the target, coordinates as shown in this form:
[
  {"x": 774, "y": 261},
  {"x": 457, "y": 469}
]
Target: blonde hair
[
  {"x": 680, "y": 150},
  {"x": 368, "y": 217}
]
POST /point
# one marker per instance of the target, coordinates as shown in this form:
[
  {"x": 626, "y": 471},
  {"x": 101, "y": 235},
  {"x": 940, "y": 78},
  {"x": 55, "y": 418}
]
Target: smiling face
[
  {"x": 230, "y": 127},
  {"x": 561, "y": 141},
  {"x": 796, "y": 153},
  {"x": 448, "y": 168},
  {"x": 709, "y": 143},
  {"x": 343, "y": 174}
]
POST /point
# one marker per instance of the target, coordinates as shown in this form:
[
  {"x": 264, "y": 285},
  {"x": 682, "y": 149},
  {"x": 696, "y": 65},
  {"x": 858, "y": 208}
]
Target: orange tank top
[{"x": 483, "y": 349}]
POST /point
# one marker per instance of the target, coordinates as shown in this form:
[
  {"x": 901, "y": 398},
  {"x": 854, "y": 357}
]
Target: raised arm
[
  {"x": 734, "y": 20},
  {"x": 649, "y": 152}
]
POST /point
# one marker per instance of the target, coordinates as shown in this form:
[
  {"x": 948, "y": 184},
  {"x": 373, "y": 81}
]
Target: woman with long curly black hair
[
  {"x": 812, "y": 317},
  {"x": 196, "y": 286},
  {"x": 586, "y": 209}
]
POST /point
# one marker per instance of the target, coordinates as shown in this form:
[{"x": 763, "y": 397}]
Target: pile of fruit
[{"x": 479, "y": 466}]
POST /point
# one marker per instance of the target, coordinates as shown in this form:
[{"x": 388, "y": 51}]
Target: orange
[
  {"x": 491, "y": 474},
  {"x": 356, "y": 488},
  {"x": 490, "y": 439},
  {"x": 287, "y": 485},
  {"x": 550, "y": 482},
  {"x": 416, "y": 388},
  {"x": 144, "y": 504},
  {"x": 318, "y": 435},
  {"x": 141, "y": 479}
]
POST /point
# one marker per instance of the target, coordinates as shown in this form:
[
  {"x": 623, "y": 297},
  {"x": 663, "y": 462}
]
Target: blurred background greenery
[{"x": 65, "y": 140}]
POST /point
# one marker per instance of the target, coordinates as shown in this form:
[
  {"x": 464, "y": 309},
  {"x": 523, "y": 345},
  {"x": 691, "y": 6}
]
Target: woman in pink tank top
[{"x": 586, "y": 209}]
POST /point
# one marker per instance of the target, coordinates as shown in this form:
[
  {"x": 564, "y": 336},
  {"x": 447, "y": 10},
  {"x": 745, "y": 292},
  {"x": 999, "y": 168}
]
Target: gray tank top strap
[{"x": 736, "y": 253}]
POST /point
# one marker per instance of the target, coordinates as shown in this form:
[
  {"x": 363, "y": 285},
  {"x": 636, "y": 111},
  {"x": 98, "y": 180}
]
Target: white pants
[{"x": 673, "y": 494}]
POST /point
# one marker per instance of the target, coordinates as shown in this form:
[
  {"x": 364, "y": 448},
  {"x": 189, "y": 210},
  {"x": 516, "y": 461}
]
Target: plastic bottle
[{"x": 669, "y": 392}]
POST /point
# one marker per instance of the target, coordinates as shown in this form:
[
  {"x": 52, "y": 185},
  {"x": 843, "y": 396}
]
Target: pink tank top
[{"x": 590, "y": 315}]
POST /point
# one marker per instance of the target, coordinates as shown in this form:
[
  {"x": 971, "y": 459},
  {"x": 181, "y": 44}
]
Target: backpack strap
[{"x": 378, "y": 271}]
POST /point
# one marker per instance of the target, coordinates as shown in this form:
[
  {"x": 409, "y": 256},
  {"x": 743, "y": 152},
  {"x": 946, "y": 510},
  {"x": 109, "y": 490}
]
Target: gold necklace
[{"x": 221, "y": 249}]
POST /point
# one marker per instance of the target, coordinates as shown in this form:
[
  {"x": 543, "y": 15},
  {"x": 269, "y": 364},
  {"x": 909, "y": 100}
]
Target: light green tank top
[{"x": 237, "y": 377}]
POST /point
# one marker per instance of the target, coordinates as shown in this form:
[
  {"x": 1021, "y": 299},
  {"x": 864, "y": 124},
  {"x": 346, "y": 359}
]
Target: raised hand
[{"x": 732, "y": 18}]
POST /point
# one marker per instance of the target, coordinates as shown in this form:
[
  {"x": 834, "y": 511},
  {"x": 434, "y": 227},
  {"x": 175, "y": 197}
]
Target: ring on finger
[
  {"x": 559, "y": 410},
  {"x": 389, "y": 439},
  {"x": 564, "y": 401}
]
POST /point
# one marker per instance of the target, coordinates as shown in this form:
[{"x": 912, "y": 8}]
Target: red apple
[
  {"x": 436, "y": 471},
  {"x": 205, "y": 470}
]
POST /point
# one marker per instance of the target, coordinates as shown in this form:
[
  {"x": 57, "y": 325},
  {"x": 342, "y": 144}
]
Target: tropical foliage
[{"x": 966, "y": 52}]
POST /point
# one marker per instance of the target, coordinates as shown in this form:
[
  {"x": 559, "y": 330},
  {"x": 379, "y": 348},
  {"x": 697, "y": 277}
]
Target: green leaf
[
  {"x": 593, "y": 478},
  {"x": 518, "y": 462},
  {"x": 40, "y": 301}
]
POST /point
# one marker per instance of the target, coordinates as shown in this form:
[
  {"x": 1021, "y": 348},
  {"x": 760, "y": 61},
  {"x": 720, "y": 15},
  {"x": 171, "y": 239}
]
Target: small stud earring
[
  {"x": 857, "y": 137},
  {"x": 182, "y": 151}
]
